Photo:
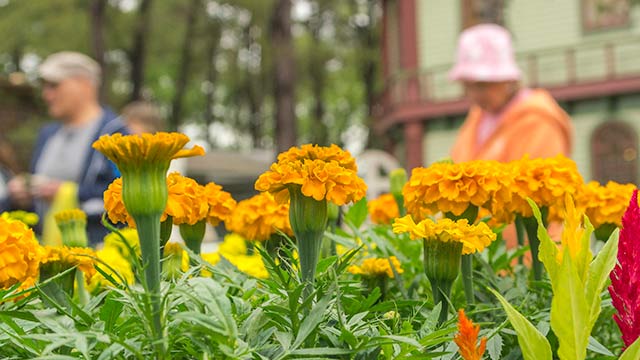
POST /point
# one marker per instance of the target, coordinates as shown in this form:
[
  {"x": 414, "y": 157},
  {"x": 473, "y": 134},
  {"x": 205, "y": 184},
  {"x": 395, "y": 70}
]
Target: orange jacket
[{"x": 536, "y": 126}]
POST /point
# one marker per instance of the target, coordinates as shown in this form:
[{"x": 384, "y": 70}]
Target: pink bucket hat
[{"x": 485, "y": 53}]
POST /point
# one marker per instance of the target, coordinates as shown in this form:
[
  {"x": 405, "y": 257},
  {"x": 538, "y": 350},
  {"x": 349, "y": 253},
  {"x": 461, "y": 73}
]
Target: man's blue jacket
[{"x": 97, "y": 172}]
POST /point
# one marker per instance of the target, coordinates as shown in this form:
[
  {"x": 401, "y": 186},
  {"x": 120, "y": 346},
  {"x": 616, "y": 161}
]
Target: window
[
  {"x": 604, "y": 14},
  {"x": 614, "y": 153}
]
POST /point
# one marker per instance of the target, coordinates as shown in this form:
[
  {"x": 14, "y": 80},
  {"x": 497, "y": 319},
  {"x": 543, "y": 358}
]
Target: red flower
[{"x": 625, "y": 277}]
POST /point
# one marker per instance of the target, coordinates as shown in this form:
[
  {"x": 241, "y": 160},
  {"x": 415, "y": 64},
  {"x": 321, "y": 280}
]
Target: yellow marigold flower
[
  {"x": 28, "y": 218},
  {"x": 251, "y": 265},
  {"x": 467, "y": 338},
  {"x": 70, "y": 215},
  {"x": 119, "y": 268},
  {"x": 113, "y": 240},
  {"x": 604, "y": 204},
  {"x": 60, "y": 258},
  {"x": 73, "y": 227},
  {"x": 545, "y": 181},
  {"x": 452, "y": 188},
  {"x": 20, "y": 253},
  {"x": 221, "y": 204},
  {"x": 135, "y": 151},
  {"x": 375, "y": 267},
  {"x": 474, "y": 238},
  {"x": 259, "y": 217},
  {"x": 322, "y": 172},
  {"x": 383, "y": 209},
  {"x": 233, "y": 244}
]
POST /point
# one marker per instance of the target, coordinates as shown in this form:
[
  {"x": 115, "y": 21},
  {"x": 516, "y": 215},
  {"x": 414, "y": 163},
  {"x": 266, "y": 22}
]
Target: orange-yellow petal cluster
[
  {"x": 604, "y": 204},
  {"x": 187, "y": 202},
  {"x": 383, "y": 209},
  {"x": 259, "y": 217},
  {"x": 20, "y": 253},
  {"x": 449, "y": 187},
  {"x": 323, "y": 173},
  {"x": 474, "y": 238},
  {"x": 467, "y": 338},
  {"x": 377, "y": 267},
  {"x": 133, "y": 151},
  {"x": 220, "y": 204},
  {"x": 545, "y": 181},
  {"x": 64, "y": 257}
]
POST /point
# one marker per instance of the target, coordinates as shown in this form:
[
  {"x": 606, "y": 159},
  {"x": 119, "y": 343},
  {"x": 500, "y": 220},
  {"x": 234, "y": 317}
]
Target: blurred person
[
  {"x": 63, "y": 158},
  {"x": 142, "y": 117},
  {"x": 505, "y": 121}
]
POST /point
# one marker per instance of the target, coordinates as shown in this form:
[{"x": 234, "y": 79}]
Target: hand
[
  {"x": 19, "y": 191},
  {"x": 45, "y": 188}
]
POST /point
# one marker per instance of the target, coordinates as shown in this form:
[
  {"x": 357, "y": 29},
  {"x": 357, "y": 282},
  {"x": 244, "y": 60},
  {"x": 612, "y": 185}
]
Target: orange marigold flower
[
  {"x": 187, "y": 202},
  {"x": 62, "y": 258},
  {"x": 467, "y": 338},
  {"x": 545, "y": 181},
  {"x": 474, "y": 238},
  {"x": 452, "y": 188},
  {"x": 604, "y": 204},
  {"x": 220, "y": 204},
  {"x": 322, "y": 173},
  {"x": 383, "y": 209},
  {"x": 259, "y": 217},
  {"x": 375, "y": 267},
  {"x": 20, "y": 253}
]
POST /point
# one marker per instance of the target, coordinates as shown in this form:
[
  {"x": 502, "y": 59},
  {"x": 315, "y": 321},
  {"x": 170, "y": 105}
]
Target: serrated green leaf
[
  {"x": 357, "y": 213},
  {"x": 632, "y": 352},
  {"x": 310, "y": 322},
  {"x": 324, "y": 351},
  {"x": 494, "y": 347},
  {"x": 534, "y": 345}
]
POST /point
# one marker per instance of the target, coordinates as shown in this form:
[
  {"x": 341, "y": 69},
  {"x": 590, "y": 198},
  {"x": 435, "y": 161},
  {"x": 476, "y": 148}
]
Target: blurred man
[{"x": 63, "y": 152}]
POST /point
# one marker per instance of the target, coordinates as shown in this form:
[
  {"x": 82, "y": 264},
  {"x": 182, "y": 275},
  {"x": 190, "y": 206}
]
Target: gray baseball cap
[{"x": 66, "y": 64}]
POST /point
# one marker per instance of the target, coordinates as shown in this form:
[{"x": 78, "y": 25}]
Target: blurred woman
[{"x": 505, "y": 121}]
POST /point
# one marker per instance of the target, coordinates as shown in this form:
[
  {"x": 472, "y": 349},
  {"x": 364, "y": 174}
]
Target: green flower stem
[
  {"x": 193, "y": 235},
  {"x": 442, "y": 265},
  {"x": 165, "y": 232},
  {"x": 520, "y": 231},
  {"x": 308, "y": 219},
  {"x": 467, "y": 277},
  {"x": 149, "y": 234},
  {"x": 531, "y": 226},
  {"x": 470, "y": 214}
]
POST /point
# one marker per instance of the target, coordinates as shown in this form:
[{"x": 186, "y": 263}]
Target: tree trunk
[
  {"x": 98, "y": 10},
  {"x": 317, "y": 72},
  {"x": 284, "y": 76},
  {"x": 185, "y": 64},
  {"x": 212, "y": 48},
  {"x": 137, "y": 54}
]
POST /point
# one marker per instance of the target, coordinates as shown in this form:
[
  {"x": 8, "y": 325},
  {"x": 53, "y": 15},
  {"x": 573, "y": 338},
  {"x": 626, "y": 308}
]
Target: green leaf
[
  {"x": 598, "y": 275},
  {"x": 632, "y": 352},
  {"x": 323, "y": 351},
  {"x": 598, "y": 348},
  {"x": 548, "y": 249},
  {"x": 310, "y": 322},
  {"x": 494, "y": 347},
  {"x": 357, "y": 213},
  {"x": 534, "y": 345},
  {"x": 569, "y": 313},
  {"x": 325, "y": 263}
]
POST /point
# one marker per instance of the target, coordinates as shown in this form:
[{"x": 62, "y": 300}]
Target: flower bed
[{"x": 456, "y": 262}]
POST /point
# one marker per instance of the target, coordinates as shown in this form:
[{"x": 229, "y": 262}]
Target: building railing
[{"x": 554, "y": 67}]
